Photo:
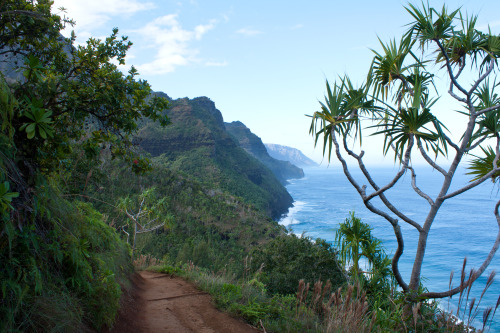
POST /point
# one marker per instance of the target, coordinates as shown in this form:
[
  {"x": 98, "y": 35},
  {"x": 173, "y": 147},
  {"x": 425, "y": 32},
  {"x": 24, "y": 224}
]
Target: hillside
[
  {"x": 198, "y": 144},
  {"x": 290, "y": 154},
  {"x": 283, "y": 170}
]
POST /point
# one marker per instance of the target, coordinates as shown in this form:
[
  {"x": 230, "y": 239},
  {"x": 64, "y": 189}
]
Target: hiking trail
[{"x": 163, "y": 303}]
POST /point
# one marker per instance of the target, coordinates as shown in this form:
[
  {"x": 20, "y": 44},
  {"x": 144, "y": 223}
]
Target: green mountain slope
[
  {"x": 209, "y": 227},
  {"x": 283, "y": 170},
  {"x": 198, "y": 144}
]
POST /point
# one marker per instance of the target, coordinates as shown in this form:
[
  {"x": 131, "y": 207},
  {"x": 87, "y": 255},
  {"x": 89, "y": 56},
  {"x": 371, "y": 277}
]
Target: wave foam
[{"x": 290, "y": 218}]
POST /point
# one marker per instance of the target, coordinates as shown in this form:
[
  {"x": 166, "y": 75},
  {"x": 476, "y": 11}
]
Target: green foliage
[
  {"x": 204, "y": 225},
  {"x": 79, "y": 261},
  {"x": 484, "y": 165},
  {"x": 63, "y": 108},
  {"x": 397, "y": 102},
  {"x": 288, "y": 259},
  {"x": 197, "y": 144}
]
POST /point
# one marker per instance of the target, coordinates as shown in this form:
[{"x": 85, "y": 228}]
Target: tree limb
[
  {"x": 450, "y": 73},
  {"x": 482, "y": 77},
  {"x": 477, "y": 273},
  {"x": 382, "y": 196},
  {"x": 150, "y": 229},
  {"x": 392, "y": 221},
  {"x": 471, "y": 185},
  {"x": 491, "y": 108},
  {"x": 418, "y": 190},
  {"x": 428, "y": 159}
]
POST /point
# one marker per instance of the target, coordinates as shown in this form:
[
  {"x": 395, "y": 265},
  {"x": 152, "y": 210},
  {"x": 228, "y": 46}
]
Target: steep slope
[
  {"x": 290, "y": 154},
  {"x": 198, "y": 144},
  {"x": 253, "y": 145}
]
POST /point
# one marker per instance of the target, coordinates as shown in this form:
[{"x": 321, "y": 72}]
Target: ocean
[{"x": 464, "y": 227}]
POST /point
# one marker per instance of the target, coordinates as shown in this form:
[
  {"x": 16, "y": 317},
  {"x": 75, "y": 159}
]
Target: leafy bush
[{"x": 288, "y": 259}]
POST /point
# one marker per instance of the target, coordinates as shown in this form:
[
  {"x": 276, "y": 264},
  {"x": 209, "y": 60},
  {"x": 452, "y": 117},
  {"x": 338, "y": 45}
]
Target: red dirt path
[{"x": 161, "y": 303}]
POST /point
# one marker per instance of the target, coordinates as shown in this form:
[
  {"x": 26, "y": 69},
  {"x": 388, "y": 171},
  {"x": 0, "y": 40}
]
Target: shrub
[{"x": 288, "y": 259}]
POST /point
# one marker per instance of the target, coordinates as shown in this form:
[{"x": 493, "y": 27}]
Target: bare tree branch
[
  {"x": 491, "y": 108},
  {"x": 471, "y": 185},
  {"x": 474, "y": 146},
  {"x": 428, "y": 159},
  {"x": 450, "y": 72},
  {"x": 392, "y": 221},
  {"x": 382, "y": 197},
  {"x": 417, "y": 189},
  {"x": 151, "y": 229},
  {"x": 482, "y": 77},
  {"x": 477, "y": 273}
]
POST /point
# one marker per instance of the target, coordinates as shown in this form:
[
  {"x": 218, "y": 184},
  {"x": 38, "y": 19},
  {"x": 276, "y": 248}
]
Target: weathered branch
[
  {"x": 128, "y": 235},
  {"x": 450, "y": 91},
  {"x": 150, "y": 229},
  {"x": 482, "y": 78},
  {"x": 133, "y": 219},
  {"x": 428, "y": 159},
  {"x": 471, "y": 185},
  {"x": 474, "y": 146},
  {"x": 491, "y": 108},
  {"x": 417, "y": 189},
  {"x": 398, "y": 175},
  {"x": 451, "y": 143},
  {"x": 450, "y": 73},
  {"x": 477, "y": 273},
  {"x": 392, "y": 221},
  {"x": 382, "y": 196}
]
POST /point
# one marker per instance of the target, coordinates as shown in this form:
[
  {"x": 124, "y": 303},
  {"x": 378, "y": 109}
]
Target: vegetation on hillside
[
  {"x": 283, "y": 170},
  {"x": 62, "y": 265},
  {"x": 198, "y": 144},
  {"x": 71, "y": 178}
]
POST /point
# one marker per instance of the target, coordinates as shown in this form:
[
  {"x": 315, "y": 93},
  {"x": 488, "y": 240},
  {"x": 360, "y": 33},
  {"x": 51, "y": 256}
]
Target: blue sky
[{"x": 262, "y": 62}]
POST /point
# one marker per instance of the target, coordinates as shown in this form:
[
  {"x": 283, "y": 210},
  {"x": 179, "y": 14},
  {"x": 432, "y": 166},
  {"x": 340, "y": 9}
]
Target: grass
[{"x": 317, "y": 308}]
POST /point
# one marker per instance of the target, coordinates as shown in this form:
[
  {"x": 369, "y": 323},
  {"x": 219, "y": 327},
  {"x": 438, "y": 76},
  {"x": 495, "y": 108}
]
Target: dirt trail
[{"x": 160, "y": 303}]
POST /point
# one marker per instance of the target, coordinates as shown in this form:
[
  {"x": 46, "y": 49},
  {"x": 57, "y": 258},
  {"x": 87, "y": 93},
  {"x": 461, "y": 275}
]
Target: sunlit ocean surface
[{"x": 464, "y": 227}]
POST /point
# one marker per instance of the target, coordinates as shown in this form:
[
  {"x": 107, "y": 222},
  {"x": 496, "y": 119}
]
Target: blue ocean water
[{"x": 464, "y": 227}]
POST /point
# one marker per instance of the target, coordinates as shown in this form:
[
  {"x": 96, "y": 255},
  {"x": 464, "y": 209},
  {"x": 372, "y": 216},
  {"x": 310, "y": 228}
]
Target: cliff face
[
  {"x": 198, "y": 144},
  {"x": 253, "y": 145},
  {"x": 290, "y": 154}
]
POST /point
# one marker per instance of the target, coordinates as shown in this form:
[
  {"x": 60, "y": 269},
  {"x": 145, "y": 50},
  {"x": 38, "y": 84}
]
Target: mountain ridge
[
  {"x": 293, "y": 155},
  {"x": 253, "y": 145},
  {"x": 198, "y": 144}
]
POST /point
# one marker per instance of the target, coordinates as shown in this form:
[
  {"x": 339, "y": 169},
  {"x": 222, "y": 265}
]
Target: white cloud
[
  {"x": 172, "y": 43},
  {"x": 248, "y": 32},
  {"x": 216, "y": 64},
  {"x": 90, "y": 14}
]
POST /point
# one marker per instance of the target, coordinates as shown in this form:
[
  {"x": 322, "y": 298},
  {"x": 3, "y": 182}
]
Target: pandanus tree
[
  {"x": 397, "y": 103},
  {"x": 354, "y": 240}
]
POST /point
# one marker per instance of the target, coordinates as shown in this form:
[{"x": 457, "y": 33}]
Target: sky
[{"x": 263, "y": 63}]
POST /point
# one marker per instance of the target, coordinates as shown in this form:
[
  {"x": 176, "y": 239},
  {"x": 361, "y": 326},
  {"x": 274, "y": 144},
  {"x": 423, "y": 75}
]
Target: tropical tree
[
  {"x": 150, "y": 215},
  {"x": 397, "y": 103},
  {"x": 58, "y": 102},
  {"x": 354, "y": 241}
]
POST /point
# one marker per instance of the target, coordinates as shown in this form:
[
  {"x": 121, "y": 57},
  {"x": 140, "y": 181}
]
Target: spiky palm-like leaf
[
  {"x": 389, "y": 66},
  {"x": 340, "y": 113},
  {"x": 430, "y": 24},
  {"x": 489, "y": 123},
  {"x": 354, "y": 240},
  {"x": 480, "y": 166}
]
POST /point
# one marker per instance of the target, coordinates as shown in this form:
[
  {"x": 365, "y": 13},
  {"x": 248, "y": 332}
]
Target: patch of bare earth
[{"x": 161, "y": 303}]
